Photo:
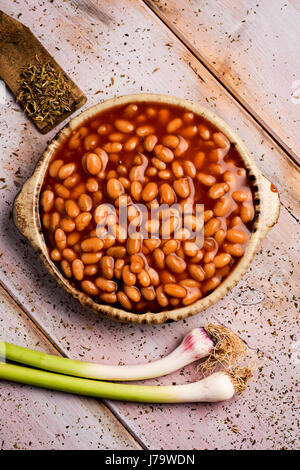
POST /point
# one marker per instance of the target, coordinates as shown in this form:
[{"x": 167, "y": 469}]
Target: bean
[
  {"x": 211, "y": 227},
  {"x": 174, "y": 125},
  {"x": 211, "y": 284},
  {"x": 68, "y": 254},
  {"x": 116, "y": 137},
  {"x": 78, "y": 269},
  {"x": 60, "y": 239},
  {"x": 189, "y": 168},
  {"x": 144, "y": 278},
  {"x": 162, "y": 299},
  {"x": 233, "y": 249},
  {"x": 144, "y": 131},
  {"x": 164, "y": 174},
  {"x": 188, "y": 282},
  {"x": 85, "y": 202},
  {"x": 170, "y": 141},
  {"x": 159, "y": 258},
  {"x": 175, "y": 263},
  {"x": 148, "y": 293},
  {"x": 196, "y": 272},
  {"x": 222, "y": 260},
  {"x": 207, "y": 180},
  {"x": 72, "y": 181},
  {"x": 218, "y": 190},
  {"x": 124, "y": 126},
  {"x": 209, "y": 270},
  {"x": 229, "y": 178},
  {"x": 90, "y": 270},
  {"x": 132, "y": 293},
  {"x": 159, "y": 164},
  {"x": 235, "y": 221},
  {"x": 208, "y": 214},
  {"x": 128, "y": 277},
  {"x": 163, "y": 153},
  {"x": 131, "y": 143},
  {"x": 246, "y": 213},
  {"x": 107, "y": 266},
  {"x": 167, "y": 195},
  {"x": 55, "y": 167},
  {"x": 92, "y": 185},
  {"x": 89, "y": 287},
  {"x": 189, "y": 132},
  {"x": 114, "y": 188},
  {"x": 112, "y": 147},
  {"x": 163, "y": 115},
  {"x": 204, "y": 132},
  {"x": 220, "y": 236},
  {"x": 137, "y": 173},
  {"x": 182, "y": 187},
  {"x": 91, "y": 141},
  {"x": 91, "y": 258},
  {"x": 119, "y": 264},
  {"x": 47, "y": 200},
  {"x": 220, "y": 140},
  {"x": 222, "y": 206},
  {"x": 61, "y": 191},
  {"x": 153, "y": 274},
  {"x": 66, "y": 170},
  {"x": 193, "y": 294},
  {"x": 199, "y": 160},
  {"x": 175, "y": 290},
  {"x": 190, "y": 248},
  {"x": 133, "y": 245},
  {"x": 93, "y": 163},
  {"x": 104, "y": 129},
  {"x": 170, "y": 246},
  {"x": 72, "y": 208},
  {"x": 181, "y": 147},
  {"x": 92, "y": 244},
  {"x": 130, "y": 110},
  {"x": 198, "y": 257},
  {"x": 240, "y": 196},
  {"x": 82, "y": 221},
  {"x": 136, "y": 190},
  {"x": 124, "y": 300},
  {"x": 236, "y": 236},
  {"x": 108, "y": 297},
  {"x": 55, "y": 255},
  {"x": 149, "y": 191},
  {"x": 79, "y": 189},
  {"x": 150, "y": 142},
  {"x": 66, "y": 268},
  {"x": 105, "y": 285},
  {"x": 177, "y": 169},
  {"x": 73, "y": 238}
]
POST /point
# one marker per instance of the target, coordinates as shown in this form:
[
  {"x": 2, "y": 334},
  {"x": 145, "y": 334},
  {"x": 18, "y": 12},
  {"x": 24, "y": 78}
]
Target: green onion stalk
[
  {"x": 213, "y": 342},
  {"x": 218, "y": 386}
]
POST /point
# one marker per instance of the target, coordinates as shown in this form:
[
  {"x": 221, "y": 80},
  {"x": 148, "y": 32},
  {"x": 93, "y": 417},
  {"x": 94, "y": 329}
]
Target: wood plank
[
  {"x": 253, "y": 48},
  {"x": 115, "y": 49},
  {"x": 39, "y": 419}
]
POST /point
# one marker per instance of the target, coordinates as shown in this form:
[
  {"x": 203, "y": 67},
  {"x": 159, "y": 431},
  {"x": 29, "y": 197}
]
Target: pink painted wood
[
  {"x": 254, "y": 48},
  {"x": 119, "y": 48},
  {"x": 32, "y": 418}
]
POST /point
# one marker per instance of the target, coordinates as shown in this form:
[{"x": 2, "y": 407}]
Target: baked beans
[{"x": 154, "y": 155}]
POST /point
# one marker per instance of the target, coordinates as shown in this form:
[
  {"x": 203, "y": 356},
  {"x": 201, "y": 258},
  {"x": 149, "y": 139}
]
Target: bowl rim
[{"x": 259, "y": 229}]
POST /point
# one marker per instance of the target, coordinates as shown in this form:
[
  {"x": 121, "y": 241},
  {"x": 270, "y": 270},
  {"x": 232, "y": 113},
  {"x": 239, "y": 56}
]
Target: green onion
[
  {"x": 219, "y": 386},
  {"x": 214, "y": 342}
]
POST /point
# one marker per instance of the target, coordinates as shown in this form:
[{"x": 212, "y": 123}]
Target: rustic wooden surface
[
  {"x": 113, "y": 48},
  {"x": 253, "y": 48}
]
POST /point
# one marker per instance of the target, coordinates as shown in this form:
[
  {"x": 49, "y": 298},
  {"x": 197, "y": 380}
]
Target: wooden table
[{"x": 240, "y": 59}]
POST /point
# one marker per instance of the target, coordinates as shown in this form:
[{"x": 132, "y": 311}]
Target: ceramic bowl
[{"x": 266, "y": 201}]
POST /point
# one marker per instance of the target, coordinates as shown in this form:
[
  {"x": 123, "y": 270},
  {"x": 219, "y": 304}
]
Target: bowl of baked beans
[{"x": 146, "y": 208}]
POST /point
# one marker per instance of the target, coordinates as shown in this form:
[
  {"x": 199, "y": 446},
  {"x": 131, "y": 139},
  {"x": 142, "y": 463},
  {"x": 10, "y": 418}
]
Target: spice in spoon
[{"x": 45, "y": 91}]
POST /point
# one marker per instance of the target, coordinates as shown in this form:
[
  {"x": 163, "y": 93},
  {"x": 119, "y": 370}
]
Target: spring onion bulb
[
  {"x": 214, "y": 342},
  {"x": 218, "y": 386}
]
